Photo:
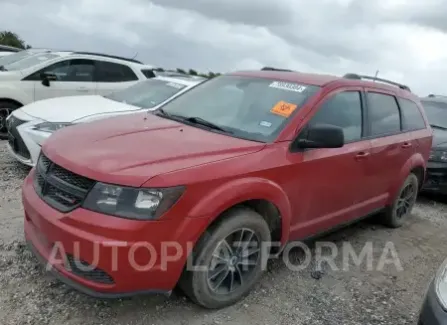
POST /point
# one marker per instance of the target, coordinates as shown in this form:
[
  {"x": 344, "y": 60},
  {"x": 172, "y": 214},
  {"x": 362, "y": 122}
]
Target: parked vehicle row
[
  {"x": 44, "y": 74},
  {"x": 436, "y": 110},
  {"x": 29, "y": 126},
  {"x": 239, "y": 161}
]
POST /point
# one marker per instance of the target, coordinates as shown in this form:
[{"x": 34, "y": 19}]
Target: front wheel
[
  {"x": 6, "y": 108},
  {"x": 228, "y": 260},
  {"x": 395, "y": 215}
]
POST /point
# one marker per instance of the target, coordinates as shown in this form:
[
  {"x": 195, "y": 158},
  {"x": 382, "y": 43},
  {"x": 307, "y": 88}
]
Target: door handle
[
  {"x": 407, "y": 145},
  {"x": 361, "y": 155}
]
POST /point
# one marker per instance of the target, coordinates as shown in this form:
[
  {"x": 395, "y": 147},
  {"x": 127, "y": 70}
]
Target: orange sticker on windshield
[{"x": 283, "y": 108}]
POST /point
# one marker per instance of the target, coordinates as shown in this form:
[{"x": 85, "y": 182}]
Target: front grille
[
  {"x": 87, "y": 271},
  {"x": 14, "y": 138},
  {"x": 59, "y": 187}
]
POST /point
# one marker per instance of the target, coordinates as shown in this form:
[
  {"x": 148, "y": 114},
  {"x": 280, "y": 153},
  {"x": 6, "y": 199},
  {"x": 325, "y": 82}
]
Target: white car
[
  {"x": 48, "y": 74},
  {"x": 30, "y": 125}
]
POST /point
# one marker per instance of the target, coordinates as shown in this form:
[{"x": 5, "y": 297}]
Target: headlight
[
  {"x": 438, "y": 155},
  {"x": 441, "y": 285},
  {"x": 50, "y": 126},
  {"x": 131, "y": 203}
]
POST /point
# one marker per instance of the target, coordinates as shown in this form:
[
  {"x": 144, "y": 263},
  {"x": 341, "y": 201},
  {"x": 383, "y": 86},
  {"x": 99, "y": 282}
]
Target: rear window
[
  {"x": 148, "y": 73},
  {"x": 251, "y": 108},
  {"x": 411, "y": 115}
]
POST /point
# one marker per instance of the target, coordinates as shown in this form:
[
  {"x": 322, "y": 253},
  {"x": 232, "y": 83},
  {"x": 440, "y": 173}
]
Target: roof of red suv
[{"x": 323, "y": 79}]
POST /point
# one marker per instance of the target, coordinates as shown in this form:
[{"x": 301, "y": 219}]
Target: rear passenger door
[
  {"x": 112, "y": 76},
  {"x": 391, "y": 147}
]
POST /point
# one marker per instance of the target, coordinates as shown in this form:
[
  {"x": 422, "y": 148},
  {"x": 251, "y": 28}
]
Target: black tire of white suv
[{"x": 6, "y": 108}]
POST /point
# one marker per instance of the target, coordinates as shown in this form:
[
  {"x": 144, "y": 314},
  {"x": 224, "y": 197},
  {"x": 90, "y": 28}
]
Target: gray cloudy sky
[{"x": 405, "y": 39}]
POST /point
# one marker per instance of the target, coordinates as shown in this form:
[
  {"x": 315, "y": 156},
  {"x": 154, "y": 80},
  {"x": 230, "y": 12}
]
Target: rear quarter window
[{"x": 411, "y": 115}]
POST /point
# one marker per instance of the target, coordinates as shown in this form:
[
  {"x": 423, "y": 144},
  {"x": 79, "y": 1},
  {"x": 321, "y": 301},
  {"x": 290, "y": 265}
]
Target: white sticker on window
[
  {"x": 265, "y": 123},
  {"x": 175, "y": 85},
  {"x": 288, "y": 86}
]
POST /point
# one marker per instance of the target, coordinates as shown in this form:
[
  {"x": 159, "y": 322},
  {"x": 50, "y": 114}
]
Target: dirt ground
[{"x": 348, "y": 297}]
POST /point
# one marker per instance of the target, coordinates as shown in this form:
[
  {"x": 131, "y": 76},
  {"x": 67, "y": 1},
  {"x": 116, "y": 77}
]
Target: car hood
[
  {"x": 9, "y": 75},
  {"x": 131, "y": 149},
  {"x": 72, "y": 108},
  {"x": 439, "y": 137}
]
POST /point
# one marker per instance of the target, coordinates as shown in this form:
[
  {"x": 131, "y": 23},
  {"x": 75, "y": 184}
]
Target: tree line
[{"x": 12, "y": 39}]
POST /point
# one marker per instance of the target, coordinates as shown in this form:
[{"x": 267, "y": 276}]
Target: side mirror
[
  {"x": 46, "y": 77},
  {"x": 321, "y": 136}
]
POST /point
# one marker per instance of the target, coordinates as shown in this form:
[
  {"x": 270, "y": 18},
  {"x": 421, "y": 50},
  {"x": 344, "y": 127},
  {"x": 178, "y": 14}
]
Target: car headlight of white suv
[
  {"x": 51, "y": 126},
  {"x": 441, "y": 285}
]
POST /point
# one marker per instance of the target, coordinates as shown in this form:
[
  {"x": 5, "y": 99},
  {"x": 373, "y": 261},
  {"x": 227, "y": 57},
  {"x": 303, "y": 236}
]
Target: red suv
[{"x": 188, "y": 195}]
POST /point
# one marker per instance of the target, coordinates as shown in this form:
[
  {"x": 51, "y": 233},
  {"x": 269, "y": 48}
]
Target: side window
[
  {"x": 114, "y": 72},
  {"x": 383, "y": 114},
  {"x": 411, "y": 115},
  {"x": 344, "y": 110},
  {"x": 77, "y": 70}
]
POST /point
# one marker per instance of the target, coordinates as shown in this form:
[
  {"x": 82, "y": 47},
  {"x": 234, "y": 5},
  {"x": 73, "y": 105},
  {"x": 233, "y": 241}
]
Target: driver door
[{"x": 71, "y": 78}]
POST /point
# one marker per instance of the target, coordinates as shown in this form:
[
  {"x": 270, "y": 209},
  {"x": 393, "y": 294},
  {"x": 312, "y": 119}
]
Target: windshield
[
  {"x": 29, "y": 61},
  {"x": 436, "y": 113},
  {"x": 251, "y": 108},
  {"x": 148, "y": 93}
]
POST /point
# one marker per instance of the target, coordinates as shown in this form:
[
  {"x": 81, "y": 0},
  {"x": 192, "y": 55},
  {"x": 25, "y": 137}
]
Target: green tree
[
  {"x": 159, "y": 69},
  {"x": 192, "y": 72},
  {"x": 12, "y": 39},
  {"x": 181, "y": 71}
]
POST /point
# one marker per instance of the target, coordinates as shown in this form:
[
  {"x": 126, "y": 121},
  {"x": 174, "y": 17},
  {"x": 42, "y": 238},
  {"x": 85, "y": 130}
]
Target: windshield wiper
[
  {"x": 201, "y": 121},
  {"x": 190, "y": 120},
  {"x": 438, "y": 126}
]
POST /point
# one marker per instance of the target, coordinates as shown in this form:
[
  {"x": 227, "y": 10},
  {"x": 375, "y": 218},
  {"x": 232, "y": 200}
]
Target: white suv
[
  {"x": 56, "y": 74},
  {"x": 30, "y": 125}
]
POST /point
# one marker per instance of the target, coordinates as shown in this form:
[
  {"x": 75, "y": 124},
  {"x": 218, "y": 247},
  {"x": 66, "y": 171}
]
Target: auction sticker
[
  {"x": 288, "y": 86},
  {"x": 283, "y": 108}
]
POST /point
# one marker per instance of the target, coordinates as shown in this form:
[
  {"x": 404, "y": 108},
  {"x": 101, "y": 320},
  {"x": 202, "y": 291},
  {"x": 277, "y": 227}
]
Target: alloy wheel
[
  {"x": 406, "y": 200},
  {"x": 234, "y": 261}
]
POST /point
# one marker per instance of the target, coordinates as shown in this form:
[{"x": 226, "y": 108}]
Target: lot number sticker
[
  {"x": 283, "y": 108},
  {"x": 287, "y": 86},
  {"x": 175, "y": 85}
]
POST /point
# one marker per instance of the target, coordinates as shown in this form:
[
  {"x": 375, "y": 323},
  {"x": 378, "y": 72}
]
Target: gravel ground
[{"x": 309, "y": 296}]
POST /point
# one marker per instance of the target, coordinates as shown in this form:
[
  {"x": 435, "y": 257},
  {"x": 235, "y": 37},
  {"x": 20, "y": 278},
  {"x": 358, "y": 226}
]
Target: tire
[
  {"x": 198, "y": 285},
  {"x": 394, "y": 216},
  {"x": 6, "y": 108}
]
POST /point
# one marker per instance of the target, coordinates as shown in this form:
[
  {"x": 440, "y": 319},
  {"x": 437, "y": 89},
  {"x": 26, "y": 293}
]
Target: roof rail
[
  {"x": 360, "y": 77},
  {"x": 109, "y": 56},
  {"x": 275, "y": 69}
]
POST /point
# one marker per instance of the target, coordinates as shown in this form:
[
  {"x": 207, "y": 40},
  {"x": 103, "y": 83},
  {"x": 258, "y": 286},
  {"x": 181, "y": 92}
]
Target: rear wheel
[
  {"x": 395, "y": 215},
  {"x": 6, "y": 108},
  {"x": 230, "y": 257}
]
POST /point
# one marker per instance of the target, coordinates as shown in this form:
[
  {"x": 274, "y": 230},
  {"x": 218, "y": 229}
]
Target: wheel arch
[{"x": 263, "y": 196}]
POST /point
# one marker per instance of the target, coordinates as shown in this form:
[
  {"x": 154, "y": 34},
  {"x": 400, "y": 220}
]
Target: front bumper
[
  {"x": 436, "y": 178},
  {"x": 432, "y": 313},
  {"x": 114, "y": 248},
  {"x": 24, "y": 142}
]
